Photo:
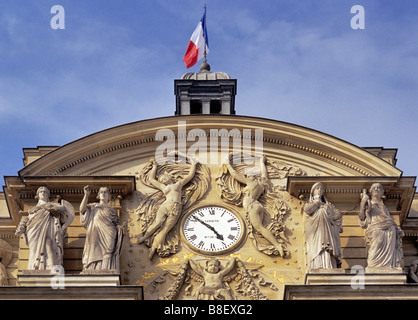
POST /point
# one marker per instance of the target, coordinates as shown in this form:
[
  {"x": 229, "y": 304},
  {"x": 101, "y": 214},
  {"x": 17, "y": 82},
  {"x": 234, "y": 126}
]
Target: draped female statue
[
  {"x": 44, "y": 230},
  {"x": 104, "y": 233},
  {"x": 322, "y": 228},
  {"x": 385, "y": 250}
]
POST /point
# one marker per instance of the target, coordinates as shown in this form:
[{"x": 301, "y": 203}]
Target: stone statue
[
  {"x": 4, "y": 277},
  {"x": 104, "y": 233},
  {"x": 213, "y": 275},
  {"x": 262, "y": 204},
  {"x": 385, "y": 249},
  {"x": 178, "y": 186},
  {"x": 212, "y": 278},
  {"x": 44, "y": 230},
  {"x": 5, "y": 257},
  {"x": 413, "y": 271},
  {"x": 322, "y": 229}
]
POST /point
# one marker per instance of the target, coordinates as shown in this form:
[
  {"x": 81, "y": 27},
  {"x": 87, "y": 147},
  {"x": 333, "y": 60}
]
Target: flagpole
[{"x": 204, "y": 51}]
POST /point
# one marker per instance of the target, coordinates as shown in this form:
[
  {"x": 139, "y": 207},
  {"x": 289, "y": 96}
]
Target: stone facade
[{"x": 269, "y": 257}]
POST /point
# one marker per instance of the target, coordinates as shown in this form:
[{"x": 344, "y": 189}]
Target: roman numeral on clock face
[{"x": 193, "y": 237}]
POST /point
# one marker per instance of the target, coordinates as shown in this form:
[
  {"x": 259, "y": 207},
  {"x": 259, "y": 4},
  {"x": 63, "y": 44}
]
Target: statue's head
[
  {"x": 256, "y": 177},
  {"x": 376, "y": 190},
  {"x": 318, "y": 189},
  {"x": 317, "y": 192},
  {"x": 252, "y": 172},
  {"x": 165, "y": 179},
  {"x": 42, "y": 194},
  {"x": 104, "y": 194},
  {"x": 213, "y": 265}
]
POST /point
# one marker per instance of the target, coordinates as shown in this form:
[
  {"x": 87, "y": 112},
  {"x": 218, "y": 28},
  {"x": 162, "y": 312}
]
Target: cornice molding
[{"x": 67, "y": 159}]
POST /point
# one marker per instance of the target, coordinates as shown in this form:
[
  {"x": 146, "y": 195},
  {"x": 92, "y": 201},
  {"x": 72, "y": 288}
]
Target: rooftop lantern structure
[{"x": 205, "y": 92}]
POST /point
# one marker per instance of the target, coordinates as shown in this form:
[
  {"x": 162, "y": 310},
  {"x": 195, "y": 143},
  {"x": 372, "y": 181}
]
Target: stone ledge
[
  {"x": 68, "y": 280},
  {"x": 357, "y": 279},
  {"x": 346, "y": 292},
  {"x": 72, "y": 293}
]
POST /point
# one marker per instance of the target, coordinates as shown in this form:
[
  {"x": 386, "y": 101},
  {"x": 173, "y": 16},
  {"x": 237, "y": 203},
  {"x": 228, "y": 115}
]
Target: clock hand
[{"x": 218, "y": 236}]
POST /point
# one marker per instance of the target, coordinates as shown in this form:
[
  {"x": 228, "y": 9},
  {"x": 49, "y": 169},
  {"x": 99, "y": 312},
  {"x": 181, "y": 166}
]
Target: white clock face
[{"x": 212, "y": 230}]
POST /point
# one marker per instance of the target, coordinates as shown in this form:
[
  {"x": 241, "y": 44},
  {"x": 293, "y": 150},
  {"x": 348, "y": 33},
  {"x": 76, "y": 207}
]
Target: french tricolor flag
[{"x": 198, "y": 45}]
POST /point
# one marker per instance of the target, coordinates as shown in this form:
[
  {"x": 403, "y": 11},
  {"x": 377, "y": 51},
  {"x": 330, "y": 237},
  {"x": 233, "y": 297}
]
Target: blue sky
[{"x": 295, "y": 61}]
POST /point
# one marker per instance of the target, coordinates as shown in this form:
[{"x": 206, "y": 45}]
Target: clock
[{"x": 212, "y": 230}]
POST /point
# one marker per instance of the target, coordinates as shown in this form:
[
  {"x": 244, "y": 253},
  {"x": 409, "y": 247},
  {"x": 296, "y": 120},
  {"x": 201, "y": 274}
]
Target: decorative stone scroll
[{"x": 44, "y": 230}]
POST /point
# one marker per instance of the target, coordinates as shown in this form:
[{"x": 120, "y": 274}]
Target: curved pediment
[{"x": 119, "y": 150}]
